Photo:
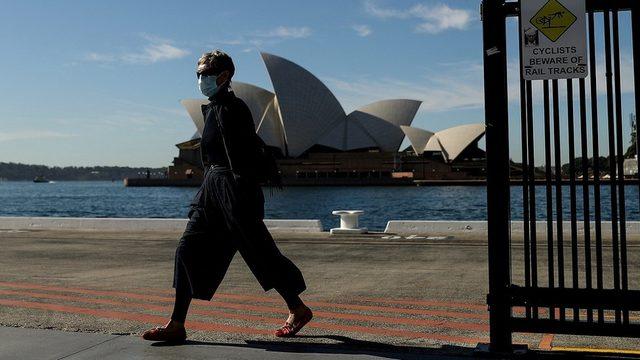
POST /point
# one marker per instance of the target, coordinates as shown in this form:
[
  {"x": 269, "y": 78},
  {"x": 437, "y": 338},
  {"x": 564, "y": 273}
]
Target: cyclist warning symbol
[
  {"x": 553, "y": 20},
  {"x": 553, "y": 39}
]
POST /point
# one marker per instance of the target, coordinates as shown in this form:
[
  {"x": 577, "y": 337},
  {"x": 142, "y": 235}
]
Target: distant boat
[{"x": 40, "y": 179}]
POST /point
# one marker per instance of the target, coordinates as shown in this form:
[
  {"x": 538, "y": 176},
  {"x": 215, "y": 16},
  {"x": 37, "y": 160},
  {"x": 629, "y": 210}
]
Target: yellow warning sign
[{"x": 553, "y": 20}]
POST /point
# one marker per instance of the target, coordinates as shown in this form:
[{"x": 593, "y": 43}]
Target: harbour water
[{"x": 381, "y": 204}]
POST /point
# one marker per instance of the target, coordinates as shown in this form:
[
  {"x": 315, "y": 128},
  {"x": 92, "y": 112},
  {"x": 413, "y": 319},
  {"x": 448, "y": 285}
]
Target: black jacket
[{"x": 239, "y": 133}]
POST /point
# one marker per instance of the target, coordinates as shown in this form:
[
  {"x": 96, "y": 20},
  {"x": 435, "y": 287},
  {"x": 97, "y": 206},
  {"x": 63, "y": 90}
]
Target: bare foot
[
  {"x": 173, "y": 325},
  {"x": 298, "y": 314},
  {"x": 297, "y": 319}
]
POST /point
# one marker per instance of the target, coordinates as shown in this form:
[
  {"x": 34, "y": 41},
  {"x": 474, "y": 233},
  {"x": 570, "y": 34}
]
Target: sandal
[
  {"x": 161, "y": 333},
  {"x": 289, "y": 329}
]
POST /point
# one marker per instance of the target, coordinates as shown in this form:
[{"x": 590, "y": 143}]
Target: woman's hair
[{"x": 216, "y": 62}]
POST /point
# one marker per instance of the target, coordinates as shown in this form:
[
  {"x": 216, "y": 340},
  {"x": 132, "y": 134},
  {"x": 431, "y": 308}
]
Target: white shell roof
[
  {"x": 381, "y": 120},
  {"x": 307, "y": 107},
  {"x": 454, "y": 140},
  {"x": 418, "y": 138},
  {"x": 305, "y": 113},
  {"x": 262, "y": 104},
  {"x": 433, "y": 145},
  {"x": 193, "y": 107},
  {"x": 451, "y": 142},
  {"x": 373, "y": 125},
  {"x": 271, "y": 129},
  {"x": 256, "y": 98}
]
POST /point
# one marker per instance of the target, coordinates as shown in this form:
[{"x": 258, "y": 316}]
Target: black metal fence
[{"x": 572, "y": 274}]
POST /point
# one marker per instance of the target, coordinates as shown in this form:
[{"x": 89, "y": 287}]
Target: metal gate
[{"x": 573, "y": 276}]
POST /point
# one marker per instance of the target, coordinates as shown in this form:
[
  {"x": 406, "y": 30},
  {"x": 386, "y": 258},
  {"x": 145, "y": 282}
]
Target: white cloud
[
  {"x": 236, "y": 41},
  {"x": 284, "y": 32},
  {"x": 156, "y": 50},
  {"x": 154, "y": 53},
  {"x": 385, "y": 13},
  {"x": 451, "y": 86},
  {"x": 626, "y": 73},
  {"x": 432, "y": 19},
  {"x": 258, "y": 39},
  {"x": 362, "y": 30},
  {"x": 99, "y": 57},
  {"x": 446, "y": 89},
  {"x": 32, "y": 135}
]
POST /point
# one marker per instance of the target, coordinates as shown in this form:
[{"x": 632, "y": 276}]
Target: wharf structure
[{"x": 317, "y": 143}]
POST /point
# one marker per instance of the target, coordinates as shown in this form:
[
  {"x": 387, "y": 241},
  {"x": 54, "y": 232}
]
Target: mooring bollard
[{"x": 348, "y": 222}]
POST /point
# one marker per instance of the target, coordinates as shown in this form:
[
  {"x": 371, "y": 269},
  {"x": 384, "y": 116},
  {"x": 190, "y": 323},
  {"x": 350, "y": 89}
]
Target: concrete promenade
[{"x": 374, "y": 296}]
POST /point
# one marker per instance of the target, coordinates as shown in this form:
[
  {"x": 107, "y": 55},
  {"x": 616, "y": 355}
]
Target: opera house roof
[
  {"x": 450, "y": 142},
  {"x": 303, "y": 112}
]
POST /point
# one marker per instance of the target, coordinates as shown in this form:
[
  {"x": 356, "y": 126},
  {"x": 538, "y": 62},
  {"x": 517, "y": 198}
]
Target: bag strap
[{"x": 224, "y": 142}]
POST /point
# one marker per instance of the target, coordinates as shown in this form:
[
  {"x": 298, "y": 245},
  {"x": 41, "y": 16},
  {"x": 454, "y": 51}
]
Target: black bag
[{"x": 267, "y": 169}]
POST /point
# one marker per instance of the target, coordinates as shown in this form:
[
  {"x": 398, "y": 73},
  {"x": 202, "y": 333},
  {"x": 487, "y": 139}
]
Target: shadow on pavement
[
  {"x": 344, "y": 346},
  {"x": 349, "y": 346}
]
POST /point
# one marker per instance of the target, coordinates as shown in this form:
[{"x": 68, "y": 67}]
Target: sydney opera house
[{"x": 316, "y": 142}]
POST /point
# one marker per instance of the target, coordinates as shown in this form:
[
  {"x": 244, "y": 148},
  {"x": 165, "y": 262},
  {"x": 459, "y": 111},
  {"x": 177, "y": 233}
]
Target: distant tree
[
  {"x": 603, "y": 166},
  {"x": 15, "y": 171}
]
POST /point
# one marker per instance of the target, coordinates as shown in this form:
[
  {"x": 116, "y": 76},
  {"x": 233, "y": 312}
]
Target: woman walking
[{"x": 227, "y": 211}]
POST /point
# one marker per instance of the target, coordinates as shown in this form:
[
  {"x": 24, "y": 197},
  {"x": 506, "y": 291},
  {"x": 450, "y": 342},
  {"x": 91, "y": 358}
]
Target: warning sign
[
  {"x": 553, "y": 20},
  {"x": 553, "y": 39}
]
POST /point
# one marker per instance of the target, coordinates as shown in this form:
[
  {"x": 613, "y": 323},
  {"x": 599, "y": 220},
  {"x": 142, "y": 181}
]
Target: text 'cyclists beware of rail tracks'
[{"x": 553, "y": 39}]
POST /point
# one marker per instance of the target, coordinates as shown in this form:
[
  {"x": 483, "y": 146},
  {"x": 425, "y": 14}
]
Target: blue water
[{"x": 112, "y": 199}]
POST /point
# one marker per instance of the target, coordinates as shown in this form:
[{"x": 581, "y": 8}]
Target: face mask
[{"x": 208, "y": 85}]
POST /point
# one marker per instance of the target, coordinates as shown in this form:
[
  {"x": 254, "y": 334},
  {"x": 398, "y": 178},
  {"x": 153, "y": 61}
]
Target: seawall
[
  {"x": 135, "y": 224},
  {"x": 476, "y": 229}
]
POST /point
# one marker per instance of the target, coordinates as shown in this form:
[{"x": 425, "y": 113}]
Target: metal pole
[
  {"x": 635, "y": 20},
  {"x": 526, "y": 182},
  {"x": 498, "y": 196},
  {"x": 596, "y": 157},
  {"x": 612, "y": 156}
]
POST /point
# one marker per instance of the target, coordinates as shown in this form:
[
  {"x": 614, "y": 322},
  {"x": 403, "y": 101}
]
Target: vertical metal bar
[
  {"x": 612, "y": 154},
  {"x": 596, "y": 157},
  {"x": 557, "y": 150},
  {"x": 572, "y": 193},
  {"x": 532, "y": 194},
  {"x": 635, "y": 19},
  {"x": 498, "y": 194},
  {"x": 525, "y": 182},
  {"x": 585, "y": 192},
  {"x": 620, "y": 160},
  {"x": 547, "y": 160}
]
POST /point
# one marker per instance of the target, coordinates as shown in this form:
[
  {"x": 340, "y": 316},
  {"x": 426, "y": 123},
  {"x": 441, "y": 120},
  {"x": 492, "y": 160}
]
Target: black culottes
[{"x": 226, "y": 216}]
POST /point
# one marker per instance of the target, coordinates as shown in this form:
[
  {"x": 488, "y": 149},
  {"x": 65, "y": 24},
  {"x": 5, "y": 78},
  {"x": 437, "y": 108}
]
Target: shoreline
[
  {"x": 410, "y": 228},
  {"x": 196, "y": 183}
]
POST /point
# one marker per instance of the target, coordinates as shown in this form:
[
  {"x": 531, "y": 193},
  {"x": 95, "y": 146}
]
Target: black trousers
[{"x": 226, "y": 216}]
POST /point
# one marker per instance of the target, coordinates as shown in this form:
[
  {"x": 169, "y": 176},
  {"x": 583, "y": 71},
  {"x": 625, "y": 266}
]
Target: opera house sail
[{"x": 317, "y": 143}]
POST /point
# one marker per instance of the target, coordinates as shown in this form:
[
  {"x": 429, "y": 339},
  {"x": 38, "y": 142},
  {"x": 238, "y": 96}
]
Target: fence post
[
  {"x": 498, "y": 191},
  {"x": 635, "y": 25}
]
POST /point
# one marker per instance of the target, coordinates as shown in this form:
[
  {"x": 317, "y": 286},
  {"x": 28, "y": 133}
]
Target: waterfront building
[
  {"x": 317, "y": 142},
  {"x": 631, "y": 167},
  {"x": 188, "y": 164}
]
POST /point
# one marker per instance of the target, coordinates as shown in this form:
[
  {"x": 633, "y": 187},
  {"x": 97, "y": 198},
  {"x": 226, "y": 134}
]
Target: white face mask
[{"x": 208, "y": 85}]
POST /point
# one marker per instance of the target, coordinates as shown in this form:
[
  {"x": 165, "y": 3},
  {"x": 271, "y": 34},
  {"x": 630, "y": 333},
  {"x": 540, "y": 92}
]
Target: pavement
[
  {"x": 18, "y": 343},
  {"x": 87, "y": 294}
]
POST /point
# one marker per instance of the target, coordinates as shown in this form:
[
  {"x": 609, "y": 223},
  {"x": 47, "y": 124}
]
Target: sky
[{"x": 87, "y": 83}]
